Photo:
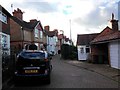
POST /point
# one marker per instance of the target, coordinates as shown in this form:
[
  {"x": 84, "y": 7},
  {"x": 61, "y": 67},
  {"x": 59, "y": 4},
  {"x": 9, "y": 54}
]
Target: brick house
[
  {"x": 24, "y": 33},
  {"x": 5, "y": 54},
  {"x": 52, "y": 39},
  {"x": 60, "y": 41},
  {"x": 83, "y": 45},
  {"x": 4, "y": 30},
  {"x": 106, "y": 46}
]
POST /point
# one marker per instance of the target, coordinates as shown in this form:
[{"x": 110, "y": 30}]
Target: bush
[{"x": 68, "y": 52}]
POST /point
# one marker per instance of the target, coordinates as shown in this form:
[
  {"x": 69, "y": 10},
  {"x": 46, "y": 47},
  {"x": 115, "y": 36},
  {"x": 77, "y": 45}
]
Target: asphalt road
[{"x": 65, "y": 75}]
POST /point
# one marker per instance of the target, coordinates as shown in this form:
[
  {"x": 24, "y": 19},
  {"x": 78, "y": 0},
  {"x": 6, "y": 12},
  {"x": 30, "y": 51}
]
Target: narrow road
[{"x": 65, "y": 75}]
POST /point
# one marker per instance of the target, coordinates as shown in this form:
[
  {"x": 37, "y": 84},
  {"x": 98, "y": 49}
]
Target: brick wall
[{"x": 15, "y": 31}]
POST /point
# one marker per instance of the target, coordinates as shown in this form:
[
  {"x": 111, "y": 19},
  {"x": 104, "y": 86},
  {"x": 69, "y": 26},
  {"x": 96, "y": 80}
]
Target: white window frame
[
  {"x": 3, "y": 17},
  {"x": 36, "y": 33},
  {"x": 41, "y": 34}
]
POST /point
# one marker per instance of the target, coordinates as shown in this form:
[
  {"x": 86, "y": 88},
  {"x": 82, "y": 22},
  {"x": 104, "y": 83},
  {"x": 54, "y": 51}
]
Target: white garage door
[{"x": 114, "y": 54}]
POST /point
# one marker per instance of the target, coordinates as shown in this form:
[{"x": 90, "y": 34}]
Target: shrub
[{"x": 68, "y": 52}]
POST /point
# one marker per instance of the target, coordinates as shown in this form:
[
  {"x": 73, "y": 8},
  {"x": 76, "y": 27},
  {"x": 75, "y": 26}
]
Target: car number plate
[{"x": 31, "y": 71}]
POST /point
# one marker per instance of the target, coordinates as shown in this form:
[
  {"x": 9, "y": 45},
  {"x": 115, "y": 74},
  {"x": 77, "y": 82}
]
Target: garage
[{"x": 114, "y": 54}]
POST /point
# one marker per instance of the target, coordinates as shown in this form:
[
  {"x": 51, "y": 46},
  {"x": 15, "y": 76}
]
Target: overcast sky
[{"x": 87, "y": 16}]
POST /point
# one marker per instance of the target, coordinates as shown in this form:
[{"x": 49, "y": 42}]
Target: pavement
[{"x": 102, "y": 69}]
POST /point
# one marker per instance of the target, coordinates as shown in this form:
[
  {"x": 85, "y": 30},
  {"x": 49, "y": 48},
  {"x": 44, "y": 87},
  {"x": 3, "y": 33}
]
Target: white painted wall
[
  {"x": 82, "y": 55},
  {"x": 51, "y": 45},
  {"x": 67, "y": 42},
  {"x": 114, "y": 48},
  {"x": 7, "y": 41}
]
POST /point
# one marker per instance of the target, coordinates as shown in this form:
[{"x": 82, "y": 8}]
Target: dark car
[{"x": 33, "y": 64}]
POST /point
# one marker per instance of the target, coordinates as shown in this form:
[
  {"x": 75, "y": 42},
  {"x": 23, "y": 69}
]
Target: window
[
  {"x": 4, "y": 41},
  {"x": 3, "y": 17},
  {"x": 56, "y": 39},
  {"x": 41, "y": 34},
  {"x": 82, "y": 50},
  {"x": 33, "y": 54},
  {"x": 87, "y": 49},
  {"x": 36, "y": 33}
]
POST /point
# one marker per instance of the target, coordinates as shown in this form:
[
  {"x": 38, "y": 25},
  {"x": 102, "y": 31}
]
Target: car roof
[{"x": 34, "y": 51}]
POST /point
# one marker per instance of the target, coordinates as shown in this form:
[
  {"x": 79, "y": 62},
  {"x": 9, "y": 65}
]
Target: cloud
[
  {"x": 99, "y": 16},
  {"x": 40, "y": 7}
]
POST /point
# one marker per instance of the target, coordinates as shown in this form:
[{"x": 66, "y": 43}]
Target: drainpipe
[{"x": 22, "y": 38}]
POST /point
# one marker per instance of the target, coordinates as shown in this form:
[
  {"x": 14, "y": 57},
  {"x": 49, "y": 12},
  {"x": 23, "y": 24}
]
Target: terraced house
[
  {"x": 24, "y": 33},
  {"x": 5, "y": 30}
]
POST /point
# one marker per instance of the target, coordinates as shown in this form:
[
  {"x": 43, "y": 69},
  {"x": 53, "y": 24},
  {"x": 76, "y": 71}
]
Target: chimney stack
[
  {"x": 114, "y": 23},
  {"x": 18, "y": 14},
  {"x": 47, "y": 28}
]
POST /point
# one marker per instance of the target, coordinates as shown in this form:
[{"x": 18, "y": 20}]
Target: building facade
[
  {"x": 24, "y": 33},
  {"x": 106, "y": 46},
  {"x": 83, "y": 45},
  {"x": 5, "y": 31}
]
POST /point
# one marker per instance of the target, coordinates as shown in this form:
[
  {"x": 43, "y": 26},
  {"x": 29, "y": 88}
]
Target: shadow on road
[{"x": 31, "y": 83}]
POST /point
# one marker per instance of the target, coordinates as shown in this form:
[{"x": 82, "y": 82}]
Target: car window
[{"x": 33, "y": 55}]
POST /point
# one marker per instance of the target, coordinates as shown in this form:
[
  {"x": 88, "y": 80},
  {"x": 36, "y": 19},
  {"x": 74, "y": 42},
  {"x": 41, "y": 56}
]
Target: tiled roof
[
  {"x": 66, "y": 39},
  {"x": 85, "y": 39},
  {"x": 51, "y": 33},
  {"x": 106, "y": 35},
  {"x": 24, "y": 24},
  {"x": 5, "y": 11},
  {"x": 60, "y": 36}
]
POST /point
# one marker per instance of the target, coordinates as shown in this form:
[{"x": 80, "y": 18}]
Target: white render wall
[
  {"x": 82, "y": 55},
  {"x": 51, "y": 45},
  {"x": 114, "y": 48},
  {"x": 7, "y": 41}
]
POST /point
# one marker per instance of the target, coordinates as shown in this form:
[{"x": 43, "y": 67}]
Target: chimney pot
[
  {"x": 18, "y": 14},
  {"x": 33, "y": 20},
  {"x": 114, "y": 23},
  {"x": 47, "y": 28}
]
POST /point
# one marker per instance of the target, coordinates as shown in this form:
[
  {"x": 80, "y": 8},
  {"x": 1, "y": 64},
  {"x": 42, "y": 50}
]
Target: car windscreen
[{"x": 33, "y": 55}]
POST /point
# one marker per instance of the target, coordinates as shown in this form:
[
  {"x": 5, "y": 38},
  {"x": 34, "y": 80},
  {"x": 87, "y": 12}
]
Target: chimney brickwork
[
  {"x": 18, "y": 14},
  {"x": 47, "y": 28},
  {"x": 114, "y": 23}
]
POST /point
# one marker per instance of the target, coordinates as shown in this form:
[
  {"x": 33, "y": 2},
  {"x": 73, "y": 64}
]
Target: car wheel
[{"x": 48, "y": 79}]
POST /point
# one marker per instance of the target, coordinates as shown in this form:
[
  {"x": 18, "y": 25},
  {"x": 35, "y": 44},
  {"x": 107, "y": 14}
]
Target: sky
[{"x": 81, "y": 16}]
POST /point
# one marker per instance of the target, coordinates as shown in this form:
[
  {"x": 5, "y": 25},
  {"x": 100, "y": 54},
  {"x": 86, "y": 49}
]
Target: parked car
[{"x": 33, "y": 64}]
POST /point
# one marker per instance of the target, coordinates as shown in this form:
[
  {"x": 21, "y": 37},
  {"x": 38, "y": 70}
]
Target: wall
[
  {"x": 82, "y": 55},
  {"x": 51, "y": 41},
  {"x": 27, "y": 35},
  {"x": 15, "y": 31}
]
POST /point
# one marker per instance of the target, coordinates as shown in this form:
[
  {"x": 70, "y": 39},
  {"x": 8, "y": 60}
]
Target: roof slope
[
  {"x": 24, "y": 24},
  {"x": 106, "y": 35},
  {"x": 51, "y": 33},
  {"x": 5, "y": 11},
  {"x": 85, "y": 39}
]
